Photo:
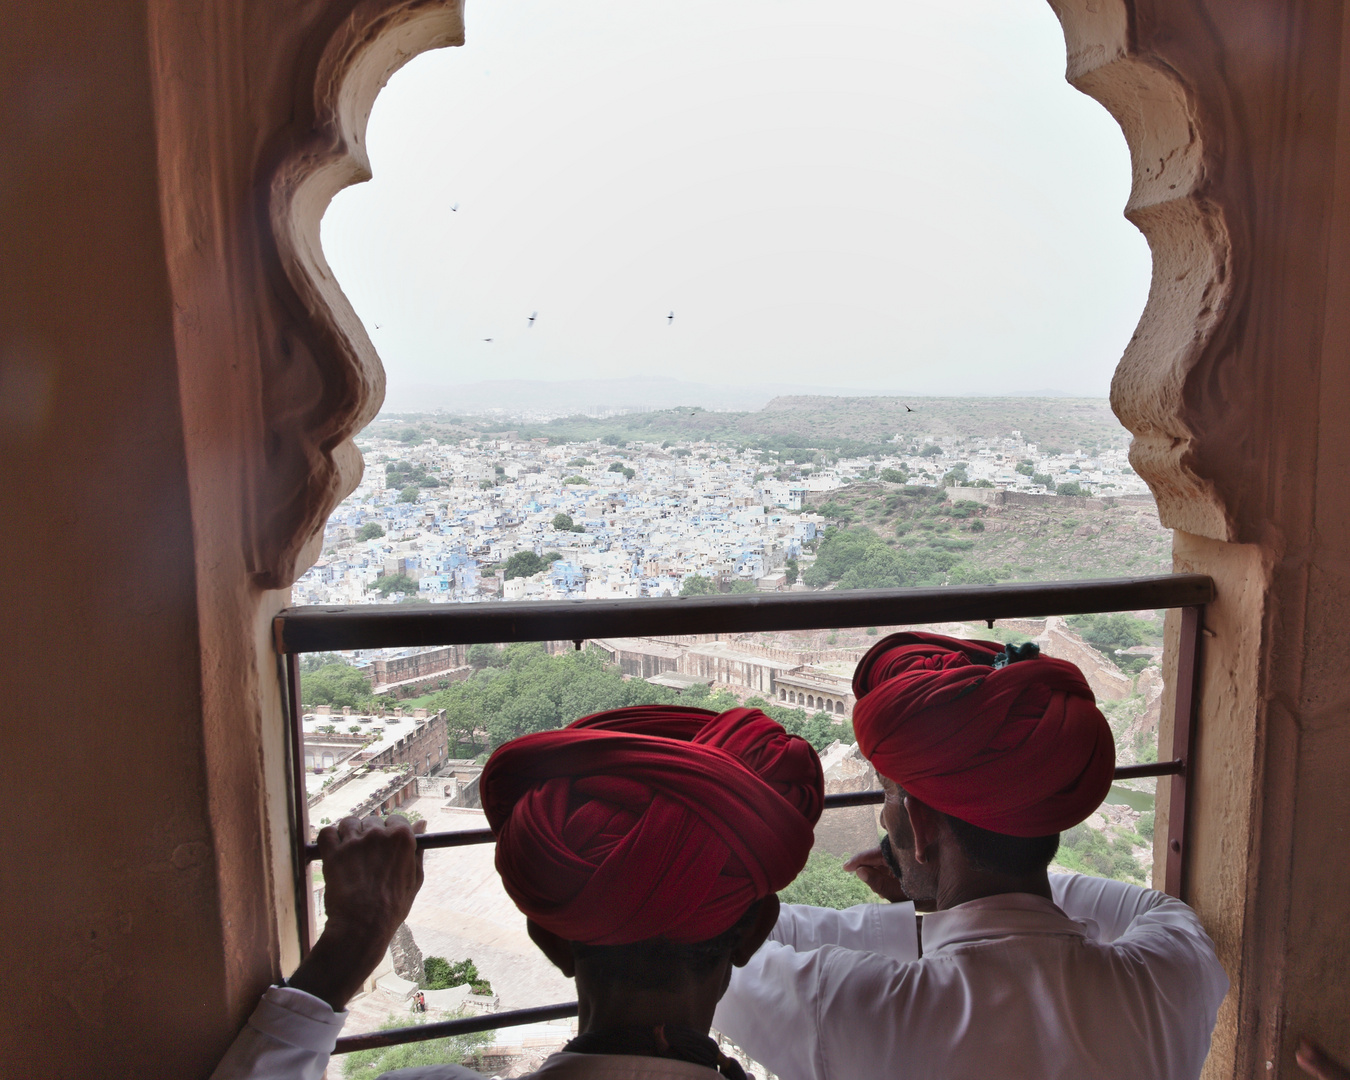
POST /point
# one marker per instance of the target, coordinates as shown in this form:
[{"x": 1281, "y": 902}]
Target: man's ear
[
  {"x": 558, "y": 950},
  {"x": 758, "y": 932},
  {"x": 924, "y": 824}
]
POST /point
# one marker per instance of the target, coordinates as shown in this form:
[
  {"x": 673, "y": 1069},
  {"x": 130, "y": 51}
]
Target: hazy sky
[{"x": 879, "y": 194}]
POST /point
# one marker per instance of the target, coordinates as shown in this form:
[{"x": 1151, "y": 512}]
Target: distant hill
[
  {"x": 1059, "y": 421},
  {"x": 834, "y": 425},
  {"x": 540, "y": 398}
]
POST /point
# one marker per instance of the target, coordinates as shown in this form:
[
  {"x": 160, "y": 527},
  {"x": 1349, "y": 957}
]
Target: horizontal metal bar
[
  {"x": 465, "y": 837},
  {"x": 375, "y": 626},
  {"x": 1157, "y": 768},
  {"x": 464, "y": 1026},
  {"x": 854, "y": 798}
]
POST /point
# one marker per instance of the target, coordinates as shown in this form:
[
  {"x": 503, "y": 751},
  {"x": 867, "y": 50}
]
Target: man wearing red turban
[
  {"x": 645, "y": 846},
  {"x": 986, "y": 754}
]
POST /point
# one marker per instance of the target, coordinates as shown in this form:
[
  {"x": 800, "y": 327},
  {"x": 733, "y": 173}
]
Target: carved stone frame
[{"x": 328, "y": 382}]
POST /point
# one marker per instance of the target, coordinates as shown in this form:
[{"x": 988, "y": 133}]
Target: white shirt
[
  {"x": 1110, "y": 980},
  {"x": 291, "y": 1035}
]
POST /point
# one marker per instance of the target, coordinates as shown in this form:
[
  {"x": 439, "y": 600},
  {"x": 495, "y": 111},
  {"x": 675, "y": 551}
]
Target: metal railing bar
[
  {"x": 464, "y": 1026},
  {"x": 1175, "y": 767},
  {"x": 465, "y": 837},
  {"x": 295, "y": 749},
  {"x": 313, "y": 629},
  {"x": 1184, "y": 724},
  {"x": 373, "y": 626}
]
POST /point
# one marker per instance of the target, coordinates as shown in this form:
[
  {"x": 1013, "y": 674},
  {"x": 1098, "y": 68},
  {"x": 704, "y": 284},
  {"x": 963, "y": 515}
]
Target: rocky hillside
[{"x": 1054, "y": 541}]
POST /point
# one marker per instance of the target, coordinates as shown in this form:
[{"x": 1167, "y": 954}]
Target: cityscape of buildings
[{"x": 630, "y": 521}]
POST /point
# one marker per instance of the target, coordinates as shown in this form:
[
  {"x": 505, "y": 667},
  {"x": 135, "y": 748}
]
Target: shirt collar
[{"x": 1003, "y": 915}]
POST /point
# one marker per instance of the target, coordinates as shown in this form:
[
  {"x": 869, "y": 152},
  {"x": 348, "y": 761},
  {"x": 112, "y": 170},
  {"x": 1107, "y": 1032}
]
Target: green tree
[
  {"x": 965, "y": 574},
  {"x": 483, "y": 655},
  {"x": 1073, "y": 487},
  {"x": 930, "y": 451},
  {"x": 371, "y": 530},
  {"x": 1119, "y": 630},
  {"x": 441, "y": 974},
  {"x": 824, "y": 882},
  {"x": 408, "y": 494},
  {"x": 575, "y": 480},
  {"x": 461, "y": 725},
  {"x": 315, "y": 660},
  {"x": 392, "y": 583},
  {"x": 741, "y": 587},
  {"x": 562, "y": 522},
  {"x": 527, "y": 564},
  {"x": 894, "y": 476},
  {"x": 337, "y": 685},
  {"x": 698, "y": 585},
  {"x": 1026, "y": 468},
  {"x": 859, "y": 559},
  {"x": 521, "y": 689},
  {"x": 1044, "y": 479},
  {"x": 791, "y": 571},
  {"x": 1091, "y": 851},
  {"x": 369, "y": 1064}
]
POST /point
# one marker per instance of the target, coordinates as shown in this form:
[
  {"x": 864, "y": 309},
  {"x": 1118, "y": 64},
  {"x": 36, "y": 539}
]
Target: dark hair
[
  {"x": 654, "y": 964},
  {"x": 995, "y": 853}
]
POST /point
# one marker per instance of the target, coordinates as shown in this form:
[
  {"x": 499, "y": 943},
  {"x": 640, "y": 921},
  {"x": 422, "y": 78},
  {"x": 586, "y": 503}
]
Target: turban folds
[
  {"x": 1020, "y": 750},
  {"x": 654, "y": 821}
]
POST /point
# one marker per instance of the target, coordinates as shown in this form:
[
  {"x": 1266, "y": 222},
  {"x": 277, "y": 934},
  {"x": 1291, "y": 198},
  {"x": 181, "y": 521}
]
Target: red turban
[
  {"x": 1020, "y": 750},
  {"x": 656, "y": 821}
]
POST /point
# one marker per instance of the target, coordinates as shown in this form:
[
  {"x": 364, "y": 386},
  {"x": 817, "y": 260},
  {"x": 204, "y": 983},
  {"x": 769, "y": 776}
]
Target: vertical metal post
[
  {"x": 1183, "y": 747},
  {"x": 304, "y": 891}
]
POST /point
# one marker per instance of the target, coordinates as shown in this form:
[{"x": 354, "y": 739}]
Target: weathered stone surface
[
  {"x": 852, "y": 829},
  {"x": 407, "y": 956}
]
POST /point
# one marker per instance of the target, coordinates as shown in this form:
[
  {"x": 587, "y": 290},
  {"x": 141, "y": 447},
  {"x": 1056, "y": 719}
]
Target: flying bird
[
  {"x": 907, "y": 408},
  {"x": 670, "y": 318},
  {"x": 533, "y": 315},
  {"x": 454, "y": 208},
  {"x": 487, "y": 339}
]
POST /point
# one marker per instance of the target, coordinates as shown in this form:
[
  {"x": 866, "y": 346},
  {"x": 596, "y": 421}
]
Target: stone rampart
[
  {"x": 418, "y": 665},
  {"x": 996, "y": 496}
]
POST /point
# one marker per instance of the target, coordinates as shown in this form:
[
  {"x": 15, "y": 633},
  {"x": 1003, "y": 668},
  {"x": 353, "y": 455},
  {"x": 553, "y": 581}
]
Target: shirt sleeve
[
  {"x": 1163, "y": 935},
  {"x": 1115, "y": 905},
  {"x": 886, "y": 929},
  {"x": 772, "y": 1008},
  {"x": 290, "y": 1036}
]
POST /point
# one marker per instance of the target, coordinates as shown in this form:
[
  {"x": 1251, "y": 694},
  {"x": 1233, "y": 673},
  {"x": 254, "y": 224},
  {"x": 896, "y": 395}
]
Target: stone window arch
[{"x": 319, "y": 380}]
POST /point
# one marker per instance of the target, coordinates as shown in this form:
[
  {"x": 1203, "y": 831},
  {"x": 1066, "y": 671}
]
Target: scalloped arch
[
  {"x": 326, "y": 381},
  {"x": 1192, "y": 285}
]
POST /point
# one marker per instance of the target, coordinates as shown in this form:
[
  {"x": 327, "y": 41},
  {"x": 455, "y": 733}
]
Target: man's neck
[
  {"x": 976, "y": 885},
  {"x": 613, "y": 1006}
]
